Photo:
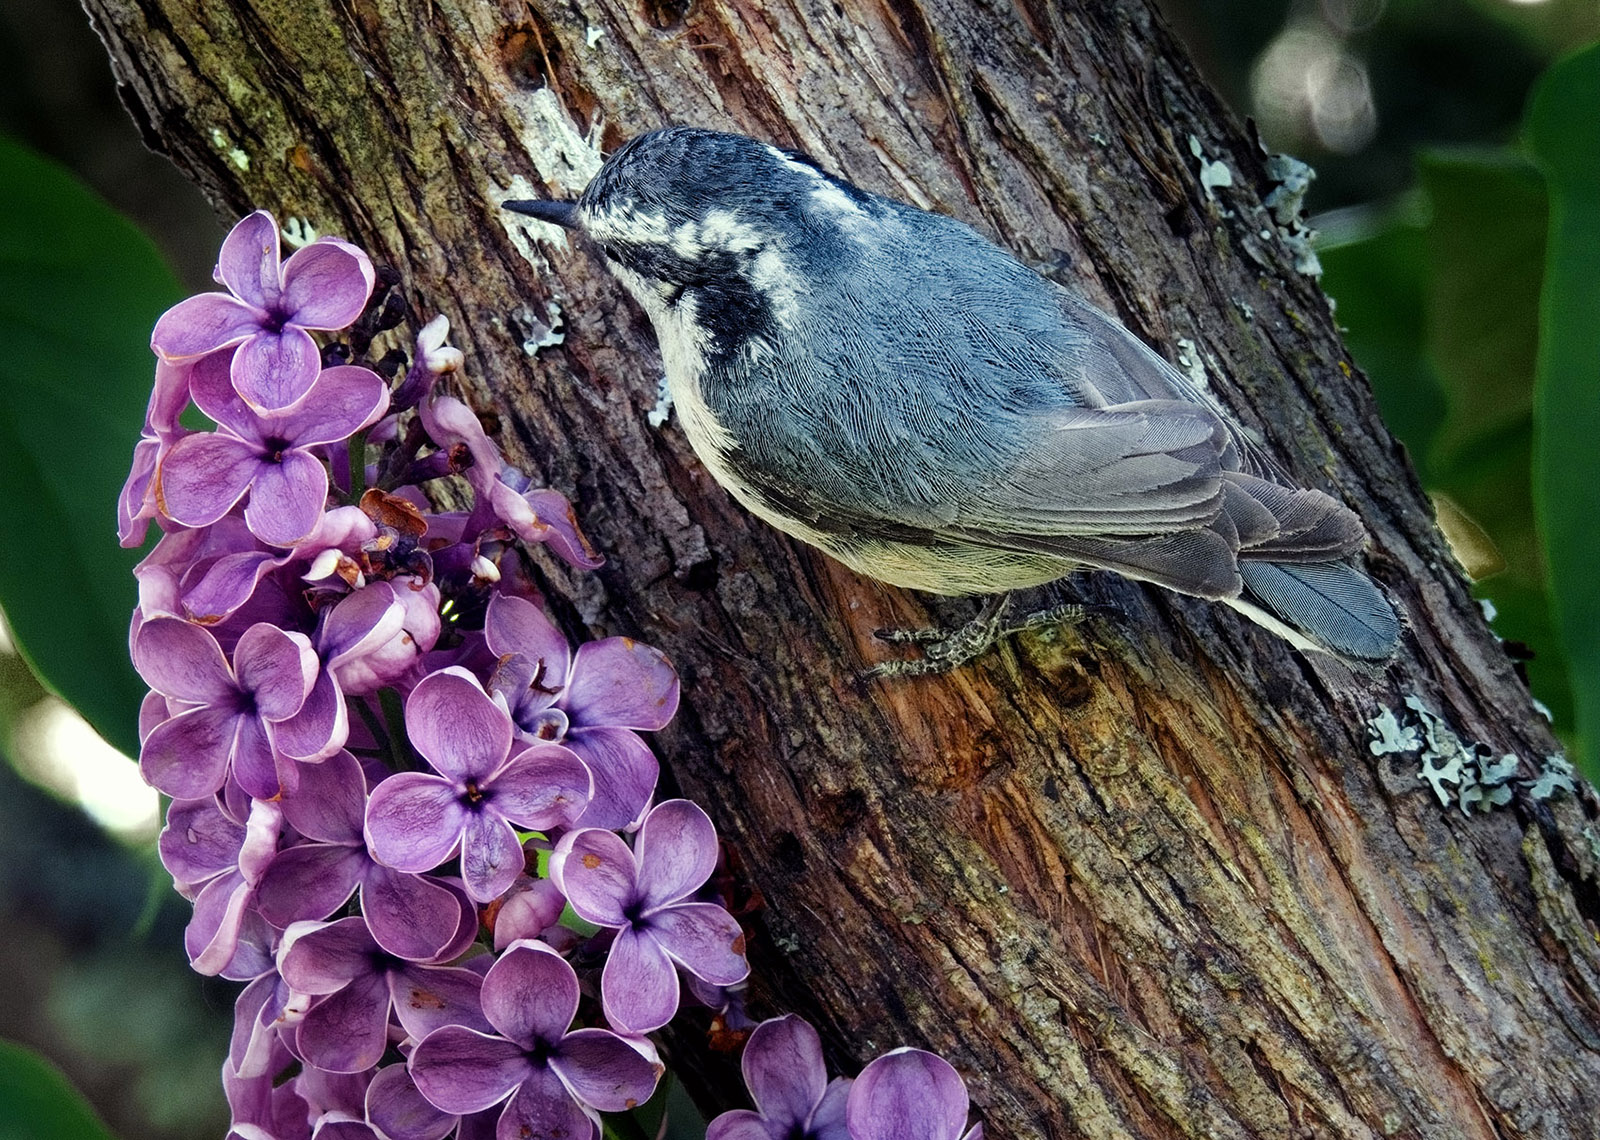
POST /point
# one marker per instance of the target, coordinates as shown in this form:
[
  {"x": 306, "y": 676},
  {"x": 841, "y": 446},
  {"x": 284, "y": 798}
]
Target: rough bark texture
[{"x": 1139, "y": 879}]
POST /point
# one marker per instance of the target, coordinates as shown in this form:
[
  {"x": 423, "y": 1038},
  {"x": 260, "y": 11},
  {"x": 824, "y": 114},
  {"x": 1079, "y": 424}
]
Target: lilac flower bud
[{"x": 267, "y": 310}]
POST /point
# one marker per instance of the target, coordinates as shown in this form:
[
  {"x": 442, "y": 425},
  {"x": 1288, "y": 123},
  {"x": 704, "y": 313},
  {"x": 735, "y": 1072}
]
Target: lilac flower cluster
[
  {"x": 374, "y": 738},
  {"x": 372, "y": 734}
]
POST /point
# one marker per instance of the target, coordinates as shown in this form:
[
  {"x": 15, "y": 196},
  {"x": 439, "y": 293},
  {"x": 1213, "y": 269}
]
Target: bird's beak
[{"x": 563, "y": 214}]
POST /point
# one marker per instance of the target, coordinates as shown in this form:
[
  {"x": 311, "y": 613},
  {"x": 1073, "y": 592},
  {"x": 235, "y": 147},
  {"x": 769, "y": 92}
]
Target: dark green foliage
[{"x": 80, "y": 288}]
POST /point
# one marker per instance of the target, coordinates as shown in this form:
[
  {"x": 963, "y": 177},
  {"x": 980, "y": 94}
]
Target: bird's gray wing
[{"x": 1121, "y": 368}]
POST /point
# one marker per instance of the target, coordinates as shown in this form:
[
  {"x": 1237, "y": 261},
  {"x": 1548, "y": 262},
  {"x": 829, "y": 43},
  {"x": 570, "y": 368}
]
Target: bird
[{"x": 890, "y": 386}]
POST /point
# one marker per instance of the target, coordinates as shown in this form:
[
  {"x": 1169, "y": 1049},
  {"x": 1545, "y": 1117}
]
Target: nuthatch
[{"x": 886, "y": 384}]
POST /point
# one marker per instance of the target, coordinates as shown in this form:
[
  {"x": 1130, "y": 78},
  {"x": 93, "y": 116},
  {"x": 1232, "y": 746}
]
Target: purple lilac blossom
[
  {"x": 262, "y": 1107},
  {"x": 137, "y": 504},
  {"x": 591, "y": 701},
  {"x": 485, "y": 791},
  {"x": 348, "y": 1030},
  {"x": 909, "y": 1094},
  {"x": 267, "y": 310},
  {"x": 229, "y": 724},
  {"x": 784, "y": 1071},
  {"x": 411, "y": 916},
  {"x": 372, "y": 637},
  {"x": 557, "y": 1079},
  {"x": 645, "y": 894},
  {"x": 269, "y": 455},
  {"x": 218, "y": 863}
]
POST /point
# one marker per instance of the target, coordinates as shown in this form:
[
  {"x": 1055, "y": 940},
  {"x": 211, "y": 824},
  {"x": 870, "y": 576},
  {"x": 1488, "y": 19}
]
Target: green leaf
[
  {"x": 1564, "y": 141},
  {"x": 1441, "y": 305},
  {"x": 37, "y": 1102},
  {"x": 80, "y": 288}
]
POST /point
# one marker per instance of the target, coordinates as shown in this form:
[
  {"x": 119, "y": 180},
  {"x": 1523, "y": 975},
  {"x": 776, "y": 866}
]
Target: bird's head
[{"x": 720, "y": 230}]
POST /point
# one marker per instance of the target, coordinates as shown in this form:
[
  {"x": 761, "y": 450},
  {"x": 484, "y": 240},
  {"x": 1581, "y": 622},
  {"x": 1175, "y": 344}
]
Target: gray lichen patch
[{"x": 1466, "y": 774}]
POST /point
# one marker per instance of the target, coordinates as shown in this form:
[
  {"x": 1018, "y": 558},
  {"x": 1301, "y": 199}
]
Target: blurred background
[{"x": 1433, "y": 226}]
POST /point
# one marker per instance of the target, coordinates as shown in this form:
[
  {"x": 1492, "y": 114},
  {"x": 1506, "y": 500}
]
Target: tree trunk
[{"x": 1149, "y": 877}]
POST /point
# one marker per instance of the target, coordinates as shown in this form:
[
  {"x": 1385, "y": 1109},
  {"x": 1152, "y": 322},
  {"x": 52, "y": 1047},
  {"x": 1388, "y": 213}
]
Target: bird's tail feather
[{"x": 1331, "y": 605}]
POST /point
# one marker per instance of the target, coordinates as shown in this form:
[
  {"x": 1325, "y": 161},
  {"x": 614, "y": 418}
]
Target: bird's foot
[{"x": 947, "y": 649}]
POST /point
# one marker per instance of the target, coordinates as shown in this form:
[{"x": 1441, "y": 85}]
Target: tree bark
[{"x": 1141, "y": 878}]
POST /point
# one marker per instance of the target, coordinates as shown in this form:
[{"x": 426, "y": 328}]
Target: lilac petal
[
  {"x": 784, "y": 1070},
  {"x": 399, "y": 1111},
  {"x": 603, "y": 1071},
  {"x": 323, "y": 958},
  {"x": 827, "y": 1122},
  {"x": 187, "y": 757},
  {"x": 410, "y": 916},
  {"x": 309, "y": 882},
  {"x": 273, "y": 370},
  {"x": 742, "y": 1124},
  {"x": 340, "y": 1126},
  {"x": 198, "y": 843},
  {"x": 255, "y": 763},
  {"x": 204, "y": 323},
  {"x": 320, "y": 728},
  {"x": 456, "y": 726},
  {"x": 276, "y": 666},
  {"x": 414, "y": 821},
  {"x": 542, "y": 787},
  {"x": 909, "y": 1094},
  {"x": 363, "y": 620},
  {"x": 330, "y": 802},
  {"x": 262, "y": 1111},
  {"x": 491, "y": 856},
  {"x": 265, "y": 1006},
  {"x": 342, "y": 1095},
  {"x": 596, "y": 871},
  {"x": 326, "y": 285},
  {"x": 516, "y": 625},
  {"x": 344, "y": 399},
  {"x": 226, "y": 585},
  {"x": 543, "y": 1109},
  {"x": 531, "y": 995},
  {"x": 152, "y": 711},
  {"x": 248, "y": 261},
  {"x": 203, "y": 475},
  {"x": 704, "y": 939},
  {"x": 622, "y": 683},
  {"x": 212, "y": 936},
  {"x": 287, "y": 498},
  {"x": 625, "y": 774},
  {"x": 638, "y": 987},
  {"x": 211, "y": 388},
  {"x": 181, "y": 660},
  {"x": 460, "y": 1070},
  {"x": 349, "y": 1030},
  {"x": 427, "y": 997},
  {"x": 136, "y": 506},
  {"x": 677, "y": 851}
]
